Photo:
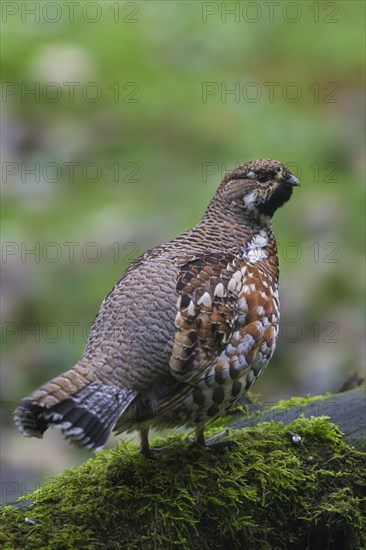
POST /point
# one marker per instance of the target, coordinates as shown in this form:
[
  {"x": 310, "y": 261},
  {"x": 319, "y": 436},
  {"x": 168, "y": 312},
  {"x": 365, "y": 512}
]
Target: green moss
[
  {"x": 264, "y": 493},
  {"x": 301, "y": 401}
]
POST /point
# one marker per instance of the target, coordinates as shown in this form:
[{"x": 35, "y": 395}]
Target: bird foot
[
  {"x": 152, "y": 452},
  {"x": 215, "y": 438},
  {"x": 147, "y": 453},
  {"x": 222, "y": 445},
  {"x": 163, "y": 448},
  {"x": 214, "y": 442}
]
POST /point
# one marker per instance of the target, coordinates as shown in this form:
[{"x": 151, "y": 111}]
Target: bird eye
[{"x": 262, "y": 178}]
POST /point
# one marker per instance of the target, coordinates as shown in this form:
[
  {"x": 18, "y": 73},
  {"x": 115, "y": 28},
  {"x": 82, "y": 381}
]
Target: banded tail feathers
[{"x": 85, "y": 417}]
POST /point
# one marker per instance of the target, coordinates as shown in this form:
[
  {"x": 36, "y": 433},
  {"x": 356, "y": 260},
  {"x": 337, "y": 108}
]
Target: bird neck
[
  {"x": 231, "y": 220},
  {"x": 242, "y": 233}
]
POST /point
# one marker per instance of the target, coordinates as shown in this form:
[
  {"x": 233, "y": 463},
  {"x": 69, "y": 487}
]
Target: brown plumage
[{"x": 185, "y": 331}]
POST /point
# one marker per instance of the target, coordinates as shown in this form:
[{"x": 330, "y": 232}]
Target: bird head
[{"x": 258, "y": 187}]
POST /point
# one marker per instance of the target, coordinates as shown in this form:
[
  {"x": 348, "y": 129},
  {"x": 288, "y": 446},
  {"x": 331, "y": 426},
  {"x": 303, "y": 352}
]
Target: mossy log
[
  {"x": 294, "y": 484},
  {"x": 347, "y": 410}
]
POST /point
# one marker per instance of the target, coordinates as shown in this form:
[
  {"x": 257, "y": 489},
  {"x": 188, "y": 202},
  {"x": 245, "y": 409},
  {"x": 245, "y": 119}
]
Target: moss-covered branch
[
  {"x": 270, "y": 491},
  {"x": 347, "y": 410}
]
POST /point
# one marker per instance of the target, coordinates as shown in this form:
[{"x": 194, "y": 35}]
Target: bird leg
[
  {"x": 213, "y": 441},
  {"x": 199, "y": 438},
  {"x": 199, "y": 441},
  {"x": 145, "y": 448},
  {"x": 144, "y": 442}
]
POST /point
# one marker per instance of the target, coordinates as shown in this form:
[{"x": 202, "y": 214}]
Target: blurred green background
[{"x": 119, "y": 120}]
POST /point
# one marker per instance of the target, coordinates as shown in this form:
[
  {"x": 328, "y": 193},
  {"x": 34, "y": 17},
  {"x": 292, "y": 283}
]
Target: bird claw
[
  {"x": 214, "y": 438},
  {"x": 152, "y": 452},
  {"x": 223, "y": 445},
  {"x": 213, "y": 442}
]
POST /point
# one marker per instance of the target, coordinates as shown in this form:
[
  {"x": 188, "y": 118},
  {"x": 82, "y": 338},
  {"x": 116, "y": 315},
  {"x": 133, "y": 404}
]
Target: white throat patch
[
  {"x": 249, "y": 200},
  {"x": 254, "y": 251}
]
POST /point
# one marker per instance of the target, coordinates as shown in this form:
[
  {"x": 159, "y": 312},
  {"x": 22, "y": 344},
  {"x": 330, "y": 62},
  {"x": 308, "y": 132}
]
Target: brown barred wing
[{"x": 208, "y": 289}]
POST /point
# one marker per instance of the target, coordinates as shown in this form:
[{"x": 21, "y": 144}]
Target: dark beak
[{"x": 293, "y": 181}]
